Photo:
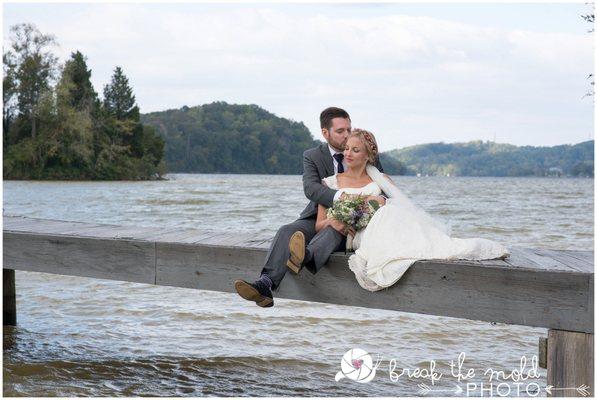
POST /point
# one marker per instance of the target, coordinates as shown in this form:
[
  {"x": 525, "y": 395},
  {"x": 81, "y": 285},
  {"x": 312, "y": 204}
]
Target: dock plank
[
  {"x": 41, "y": 226},
  {"x": 175, "y": 236},
  {"x": 124, "y": 260},
  {"x": 576, "y": 261},
  {"x": 223, "y": 239},
  {"x": 106, "y": 231},
  {"x": 255, "y": 241},
  {"x": 18, "y": 223},
  {"x": 533, "y": 287},
  {"x": 529, "y": 259}
]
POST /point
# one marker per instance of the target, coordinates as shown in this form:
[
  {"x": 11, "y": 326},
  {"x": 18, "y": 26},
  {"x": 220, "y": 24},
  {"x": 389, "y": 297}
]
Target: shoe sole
[
  {"x": 296, "y": 245},
  {"x": 248, "y": 292}
]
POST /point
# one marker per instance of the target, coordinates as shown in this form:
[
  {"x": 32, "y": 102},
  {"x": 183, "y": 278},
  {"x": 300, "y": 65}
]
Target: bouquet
[{"x": 354, "y": 211}]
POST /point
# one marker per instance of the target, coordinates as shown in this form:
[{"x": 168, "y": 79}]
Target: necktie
[{"x": 339, "y": 157}]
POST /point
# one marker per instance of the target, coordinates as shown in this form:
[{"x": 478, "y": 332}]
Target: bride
[{"x": 400, "y": 232}]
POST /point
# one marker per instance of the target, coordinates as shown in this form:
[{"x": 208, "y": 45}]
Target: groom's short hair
[{"x": 327, "y": 115}]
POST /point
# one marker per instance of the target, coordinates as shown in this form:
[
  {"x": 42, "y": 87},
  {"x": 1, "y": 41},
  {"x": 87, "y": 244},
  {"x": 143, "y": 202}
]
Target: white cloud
[{"x": 409, "y": 79}]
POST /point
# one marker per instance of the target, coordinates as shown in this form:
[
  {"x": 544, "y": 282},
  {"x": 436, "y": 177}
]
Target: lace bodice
[{"x": 371, "y": 189}]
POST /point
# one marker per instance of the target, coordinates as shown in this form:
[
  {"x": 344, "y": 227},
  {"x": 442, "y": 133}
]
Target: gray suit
[{"x": 317, "y": 164}]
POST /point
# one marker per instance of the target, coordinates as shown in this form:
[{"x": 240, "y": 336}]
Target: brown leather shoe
[
  {"x": 253, "y": 292},
  {"x": 297, "y": 252}
]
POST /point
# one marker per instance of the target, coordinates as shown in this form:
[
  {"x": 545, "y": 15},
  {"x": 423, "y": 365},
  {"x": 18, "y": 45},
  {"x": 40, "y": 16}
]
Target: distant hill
[
  {"x": 230, "y": 138},
  {"x": 478, "y": 158}
]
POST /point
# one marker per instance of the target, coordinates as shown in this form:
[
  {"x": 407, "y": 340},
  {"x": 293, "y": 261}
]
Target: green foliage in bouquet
[{"x": 354, "y": 211}]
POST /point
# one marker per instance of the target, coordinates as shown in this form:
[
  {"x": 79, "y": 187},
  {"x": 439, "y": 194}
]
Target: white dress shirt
[{"x": 332, "y": 152}]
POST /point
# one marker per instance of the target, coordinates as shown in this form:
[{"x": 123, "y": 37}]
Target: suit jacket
[{"x": 318, "y": 164}]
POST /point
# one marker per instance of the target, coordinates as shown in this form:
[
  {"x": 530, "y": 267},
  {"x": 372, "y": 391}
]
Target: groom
[{"x": 288, "y": 249}]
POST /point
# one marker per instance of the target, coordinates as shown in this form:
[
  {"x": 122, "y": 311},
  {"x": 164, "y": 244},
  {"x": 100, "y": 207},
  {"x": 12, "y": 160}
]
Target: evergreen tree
[
  {"x": 76, "y": 101},
  {"x": 133, "y": 148},
  {"x": 119, "y": 99},
  {"x": 81, "y": 94}
]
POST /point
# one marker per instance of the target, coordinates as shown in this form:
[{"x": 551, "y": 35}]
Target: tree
[
  {"x": 119, "y": 99},
  {"x": 76, "y": 104},
  {"x": 590, "y": 18},
  {"x": 9, "y": 91},
  {"x": 80, "y": 92},
  {"x": 31, "y": 67}
]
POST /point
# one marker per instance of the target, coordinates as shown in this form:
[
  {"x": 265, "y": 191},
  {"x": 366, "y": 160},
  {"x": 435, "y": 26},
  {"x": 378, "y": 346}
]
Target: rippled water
[{"x": 90, "y": 337}]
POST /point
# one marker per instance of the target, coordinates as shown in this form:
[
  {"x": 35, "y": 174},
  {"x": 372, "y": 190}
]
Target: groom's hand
[
  {"x": 381, "y": 200},
  {"x": 339, "y": 226}
]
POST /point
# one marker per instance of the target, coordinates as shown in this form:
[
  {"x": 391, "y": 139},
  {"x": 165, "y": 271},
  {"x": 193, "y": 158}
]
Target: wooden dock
[{"x": 552, "y": 289}]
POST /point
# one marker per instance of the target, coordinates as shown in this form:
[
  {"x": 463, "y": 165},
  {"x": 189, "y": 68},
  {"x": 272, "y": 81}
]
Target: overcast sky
[{"x": 410, "y": 73}]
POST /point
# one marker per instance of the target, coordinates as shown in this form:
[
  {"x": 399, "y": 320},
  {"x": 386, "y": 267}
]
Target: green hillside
[
  {"x": 230, "y": 138},
  {"x": 480, "y": 158}
]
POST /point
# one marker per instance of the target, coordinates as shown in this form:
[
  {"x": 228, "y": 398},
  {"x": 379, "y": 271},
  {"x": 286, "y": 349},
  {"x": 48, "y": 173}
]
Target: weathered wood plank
[
  {"x": 205, "y": 267},
  {"x": 195, "y": 237},
  {"x": 254, "y": 241},
  {"x": 542, "y": 353},
  {"x": 243, "y": 240},
  {"x": 74, "y": 228},
  {"x": 517, "y": 259},
  {"x": 95, "y": 230},
  {"x": 546, "y": 262},
  {"x": 222, "y": 239},
  {"x": 526, "y": 258},
  {"x": 110, "y": 231},
  {"x": 568, "y": 258},
  {"x": 16, "y": 223},
  {"x": 113, "y": 231},
  {"x": 527, "y": 289},
  {"x": 522, "y": 297},
  {"x": 125, "y": 260},
  {"x": 42, "y": 226},
  {"x": 176, "y": 236},
  {"x": 498, "y": 264},
  {"x": 260, "y": 244},
  {"x": 151, "y": 234},
  {"x": 583, "y": 255},
  {"x": 570, "y": 363}
]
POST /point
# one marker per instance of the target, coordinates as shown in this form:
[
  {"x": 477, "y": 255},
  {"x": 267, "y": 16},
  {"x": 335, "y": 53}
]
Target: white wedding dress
[{"x": 401, "y": 233}]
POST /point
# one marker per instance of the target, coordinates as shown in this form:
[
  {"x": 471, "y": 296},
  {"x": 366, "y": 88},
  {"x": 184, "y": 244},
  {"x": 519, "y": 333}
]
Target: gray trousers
[{"x": 320, "y": 244}]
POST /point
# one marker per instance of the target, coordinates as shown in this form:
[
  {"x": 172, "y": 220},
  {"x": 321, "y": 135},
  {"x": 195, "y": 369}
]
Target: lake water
[{"x": 90, "y": 337}]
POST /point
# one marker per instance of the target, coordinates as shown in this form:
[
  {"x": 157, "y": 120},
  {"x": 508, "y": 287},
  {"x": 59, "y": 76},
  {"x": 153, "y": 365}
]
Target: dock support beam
[
  {"x": 8, "y": 297},
  {"x": 570, "y": 363}
]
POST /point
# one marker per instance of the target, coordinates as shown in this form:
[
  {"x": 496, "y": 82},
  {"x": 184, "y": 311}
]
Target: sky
[{"x": 410, "y": 73}]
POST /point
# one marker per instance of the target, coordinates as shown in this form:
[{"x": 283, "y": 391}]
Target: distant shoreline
[{"x": 165, "y": 178}]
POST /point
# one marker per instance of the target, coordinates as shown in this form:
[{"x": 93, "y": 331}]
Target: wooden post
[
  {"x": 543, "y": 352},
  {"x": 9, "y": 298},
  {"x": 570, "y": 363}
]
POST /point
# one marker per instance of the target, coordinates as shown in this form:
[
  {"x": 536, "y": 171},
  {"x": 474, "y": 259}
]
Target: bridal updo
[{"x": 368, "y": 140}]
